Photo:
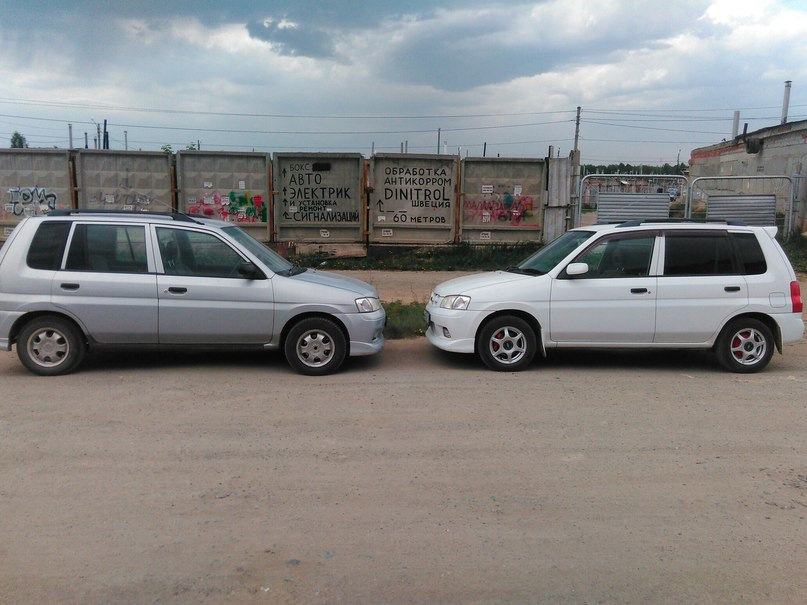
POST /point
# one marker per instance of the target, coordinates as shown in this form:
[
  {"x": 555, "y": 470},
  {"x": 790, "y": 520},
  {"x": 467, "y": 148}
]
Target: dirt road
[{"x": 414, "y": 477}]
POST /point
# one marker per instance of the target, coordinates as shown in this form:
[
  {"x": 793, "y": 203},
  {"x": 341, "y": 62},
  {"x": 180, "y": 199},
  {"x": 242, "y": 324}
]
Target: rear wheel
[
  {"x": 50, "y": 346},
  {"x": 745, "y": 346},
  {"x": 315, "y": 346},
  {"x": 507, "y": 344}
]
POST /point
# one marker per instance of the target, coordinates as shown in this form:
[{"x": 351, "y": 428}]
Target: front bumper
[
  {"x": 453, "y": 331},
  {"x": 366, "y": 332}
]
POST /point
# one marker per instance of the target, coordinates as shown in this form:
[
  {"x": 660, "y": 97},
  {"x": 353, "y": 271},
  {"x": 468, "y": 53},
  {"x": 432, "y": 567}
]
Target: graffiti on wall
[
  {"x": 497, "y": 209},
  {"x": 28, "y": 201},
  {"x": 125, "y": 200},
  {"x": 238, "y": 206}
]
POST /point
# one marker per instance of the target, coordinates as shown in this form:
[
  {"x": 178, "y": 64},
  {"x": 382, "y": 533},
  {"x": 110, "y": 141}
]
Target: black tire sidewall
[
  {"x": 723, "y": 351},
  {"x": 75, "y": 340},
  {"x": 494, "y": 325},
  {"x": 334, "y": 333}
]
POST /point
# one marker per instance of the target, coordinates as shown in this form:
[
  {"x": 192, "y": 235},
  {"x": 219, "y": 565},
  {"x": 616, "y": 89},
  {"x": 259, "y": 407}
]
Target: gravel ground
[{"x": 412, "y": 477}]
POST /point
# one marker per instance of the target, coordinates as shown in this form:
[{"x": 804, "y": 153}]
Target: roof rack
[
  {"x": 655, "y": 221},
  {"x": 177, "y": 216}
]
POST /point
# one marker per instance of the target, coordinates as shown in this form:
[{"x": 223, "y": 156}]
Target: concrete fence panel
[
  {"x": 124, "y": 180},
  {"x": 32, "y": 182},
  {"x": 502, "y": 199},
  {"x": 319, "y": 197},
  {"x": 413, "y": 199},
  {"x": 227, "y": 186}
]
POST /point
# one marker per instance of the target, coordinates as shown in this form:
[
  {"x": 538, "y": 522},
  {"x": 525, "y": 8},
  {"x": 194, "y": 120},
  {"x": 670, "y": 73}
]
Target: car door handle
[
  {"x": 176, "y": 290},
  {"x": 638, "y": 290},
  {"x": 732, "y": 288},
  {"x": 69, "y": 286}
]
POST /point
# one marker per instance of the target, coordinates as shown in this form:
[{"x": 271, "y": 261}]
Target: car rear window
[{"x": 47, "y": 246}]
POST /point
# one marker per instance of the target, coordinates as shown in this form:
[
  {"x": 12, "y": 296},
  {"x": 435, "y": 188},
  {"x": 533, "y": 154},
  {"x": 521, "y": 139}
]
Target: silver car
[{"x": 79, "y": 279}]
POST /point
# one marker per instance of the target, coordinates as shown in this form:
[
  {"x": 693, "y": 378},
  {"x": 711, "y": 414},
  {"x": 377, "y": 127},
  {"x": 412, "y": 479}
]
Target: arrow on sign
[
  {"x": 284, "y": 173},
  {"x": 380, "y": 205},
  {"x": 286, "y": 215}
]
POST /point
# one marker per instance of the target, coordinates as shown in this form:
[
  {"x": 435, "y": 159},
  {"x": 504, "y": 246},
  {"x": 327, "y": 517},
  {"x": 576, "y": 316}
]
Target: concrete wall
[{"x": 312, "y": 198}]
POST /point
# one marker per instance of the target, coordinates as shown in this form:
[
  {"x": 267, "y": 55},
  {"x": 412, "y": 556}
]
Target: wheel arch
[
  {"x": 769, "y": 321},
  {"x": 314, "y": 315},
  {"x": 529, "y": 318},
  {"x": 24, "y": 319}
]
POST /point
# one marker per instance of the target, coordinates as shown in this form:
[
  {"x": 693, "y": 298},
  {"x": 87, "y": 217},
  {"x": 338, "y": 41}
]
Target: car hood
[
  {"x": 334, "y": 280},
  {"x": 469, "y": 283}
]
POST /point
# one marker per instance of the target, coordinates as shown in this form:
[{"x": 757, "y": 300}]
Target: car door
[
  {"x": 202, "y": 296},
  {"x": 107, "y": 285},
  {"x": 699, "y": 286},
  {"x": 614, "y": 302}
]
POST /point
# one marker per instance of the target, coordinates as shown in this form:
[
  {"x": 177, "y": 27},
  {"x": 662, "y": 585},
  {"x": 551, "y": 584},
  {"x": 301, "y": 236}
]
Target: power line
[{"x": 271, "y": 115}]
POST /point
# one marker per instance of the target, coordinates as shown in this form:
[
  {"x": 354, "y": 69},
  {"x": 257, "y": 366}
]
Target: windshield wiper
[
  {"x": 527, "y": 271},
  {"x": 294, "y": 270}
]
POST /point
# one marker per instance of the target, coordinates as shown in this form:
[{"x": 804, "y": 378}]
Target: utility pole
[
  {"x": 577, "y": 129},
  {"x": 70, "y": 136},
  {"x": 438, "y": 141},
  {"x": 126, "y": 140}
]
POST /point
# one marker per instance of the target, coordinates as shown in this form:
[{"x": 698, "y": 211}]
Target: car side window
[
  {"x": 619, "y": 257},
  {"x": 752, "y": 259},
  {"x": 194, "y": 253},
  {"x": 108, "y": 248},
  {"x": 698, "y": 254},
  {"x": 47, "y": 245}
]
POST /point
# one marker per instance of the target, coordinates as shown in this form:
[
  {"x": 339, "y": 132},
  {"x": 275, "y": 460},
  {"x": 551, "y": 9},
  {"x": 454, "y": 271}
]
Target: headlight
[
  {"x": 455, "y": 302},
  {"x": 367, "y": 305}
]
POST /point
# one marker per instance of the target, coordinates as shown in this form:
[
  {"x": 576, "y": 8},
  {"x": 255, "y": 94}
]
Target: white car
[{"x": 729, "y": 287}]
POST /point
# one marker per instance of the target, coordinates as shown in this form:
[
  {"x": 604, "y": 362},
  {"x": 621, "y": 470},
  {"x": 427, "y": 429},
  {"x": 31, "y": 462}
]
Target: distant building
[{"x": 777, "y": 150}]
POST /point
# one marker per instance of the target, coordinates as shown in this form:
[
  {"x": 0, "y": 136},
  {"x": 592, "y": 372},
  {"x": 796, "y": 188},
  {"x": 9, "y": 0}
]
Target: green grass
[
  {"x": 462, "y": 257},
  {"x": 796, "y": 249},
  {"x": 404, "y": 320}
]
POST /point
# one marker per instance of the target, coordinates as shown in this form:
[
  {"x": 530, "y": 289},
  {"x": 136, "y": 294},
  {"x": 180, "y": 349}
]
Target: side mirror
[
  {"x": 576, "y": 269},
  {"x": 250, "y": 271}
]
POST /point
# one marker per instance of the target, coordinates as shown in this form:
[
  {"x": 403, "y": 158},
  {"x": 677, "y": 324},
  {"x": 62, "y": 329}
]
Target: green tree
[
  {"x": 18, "y": 141},
  {"x": 167, "y": 148}
]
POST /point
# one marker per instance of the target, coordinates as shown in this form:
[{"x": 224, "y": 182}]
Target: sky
[{"x": 653, "y": 79}]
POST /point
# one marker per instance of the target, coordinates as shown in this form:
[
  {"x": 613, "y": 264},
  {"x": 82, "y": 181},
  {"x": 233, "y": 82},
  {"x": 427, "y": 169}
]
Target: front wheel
[
  {"x": 315, "y": 347},
  {"x": 745, "y": 346},
  {"x": 50, "y": 346},
  {"x": 507, "y": 344}
]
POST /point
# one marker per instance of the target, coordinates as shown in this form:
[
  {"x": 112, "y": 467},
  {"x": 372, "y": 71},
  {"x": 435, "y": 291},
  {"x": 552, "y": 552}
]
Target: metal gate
[
  {"x": 752, "y": 209},
  {"x": 621, "y": 197},
  {"x": 619, "y": 207},
  {"x": 755, "y": 200}
]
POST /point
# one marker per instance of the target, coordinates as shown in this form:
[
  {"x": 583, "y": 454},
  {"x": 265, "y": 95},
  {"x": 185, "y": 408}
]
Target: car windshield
[
  {"x": 550, "y": 255},
  {"x": 266, "y": 255}
]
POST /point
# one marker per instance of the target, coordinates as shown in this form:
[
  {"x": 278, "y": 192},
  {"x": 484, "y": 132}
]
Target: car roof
[{"x": 672, "y": 225}]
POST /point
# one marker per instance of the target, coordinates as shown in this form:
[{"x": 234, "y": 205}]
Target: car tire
[
  {"x": 315, "y": 346},
  {"x": 745, "y": 346},
  {"x": 507, "y": 344},
  {"x": 50, "y": 346}
]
